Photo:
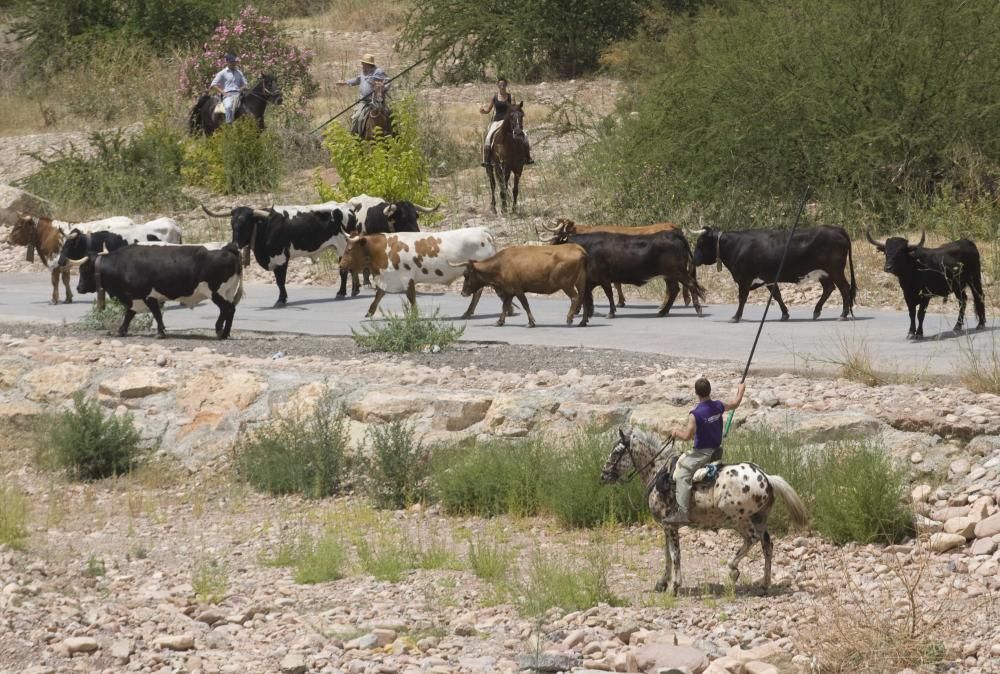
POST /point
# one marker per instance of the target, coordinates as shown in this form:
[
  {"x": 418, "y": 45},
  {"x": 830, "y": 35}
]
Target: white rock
[
  {"x": 81, "y": 644},
  {"x": 175, "y": 642},
  {"x": 942, "y": 542}
]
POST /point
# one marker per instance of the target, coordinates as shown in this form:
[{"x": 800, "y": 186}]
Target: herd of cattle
[{"x": 144, "y": 265}]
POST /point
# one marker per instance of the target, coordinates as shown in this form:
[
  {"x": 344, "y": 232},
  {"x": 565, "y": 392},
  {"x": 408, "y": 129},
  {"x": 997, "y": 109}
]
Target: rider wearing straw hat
[
  {"x": 369, "y": 73},
  {"x": 705, "y": 426}
]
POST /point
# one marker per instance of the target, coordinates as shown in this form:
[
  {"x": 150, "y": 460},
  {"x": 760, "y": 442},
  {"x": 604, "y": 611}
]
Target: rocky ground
[{"x": 108, "y": 579}]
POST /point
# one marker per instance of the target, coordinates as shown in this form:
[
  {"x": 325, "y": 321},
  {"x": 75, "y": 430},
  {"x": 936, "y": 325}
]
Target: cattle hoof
[
  {"x": 610, "y": 314},
  {"x": 355, "y": 292},
  {"x": 661, "y": 586},
  {"x": 784, "y": 317},
  {"x": 816, "y": 316},
  {"x": 531, "y": 324},
  {"x": 54, "y": 302},
  {"x": 280, "y": 303},
  {"x": 499, "y": 324},
  {"x": 69, "y": 300},
  {"x": 845, "y": 318},
  {"x": 621, "y": 304},
  {"x": 734, "y": 319},
  {"x": 161, "y": 335},
  {"x": 661, "y": 313}
]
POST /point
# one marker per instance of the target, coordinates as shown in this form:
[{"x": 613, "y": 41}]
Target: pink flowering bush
[{"x": 261, "y": 47}]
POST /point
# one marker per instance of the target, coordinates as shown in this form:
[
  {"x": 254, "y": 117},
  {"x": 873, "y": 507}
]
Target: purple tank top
[{"x": 708, "y": 424}]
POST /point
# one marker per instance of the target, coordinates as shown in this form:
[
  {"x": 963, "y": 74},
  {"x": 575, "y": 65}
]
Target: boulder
[
  {"x": 375, "y": 405},
  {"x": 988, "y": 527},
  {"x": 222, "y": 390},
  {"x": 137, "y": 382},
  {"x": 80, "y": 644},
  {"x": 658, "y": 417},
  {"x": 175, "y": 642},
  {"x": 549, "y": 662},
  {"x": 293, "y": 663},
  {"x": 963, "y": 526},
  {"x": 55, "y": 383},
  {"x": 817, "y": 426},
  {"x": 19, "y": 415},
  {"x": 983, "y": 546},
  {"x": 653, "y": 657},
  {"x": 14, "y": 200},
  {"x": 943, "y": 542}
]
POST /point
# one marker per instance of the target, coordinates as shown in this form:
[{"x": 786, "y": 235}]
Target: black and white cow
[
  {"x": 141, "y": 277},
  {"x": 278, "y": 234},
  {"x": 753, "y": 257},
  {"x": 378, "y": 216},
  {"x": 926, "y": 272}
]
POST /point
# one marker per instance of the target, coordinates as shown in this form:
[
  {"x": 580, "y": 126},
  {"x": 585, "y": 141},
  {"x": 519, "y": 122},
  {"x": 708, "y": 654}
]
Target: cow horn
[
  {"x": 77, "y": 261},
  {"x": 457, "y": 264},
  {"x": 923, "y": 236},
  {"x": 554, "y": 228},
  {"x": 425, "y": 209},
  {"x": 696, "y": 232},
  {"x": 389, "y": 210},
  {"x": 215, "y": 215},
  {"x": 260, "y": 213},
  {"x": 868, "y": 235},
  {"x": 104, "y": 250},
  {"x": 550, "y": 239}
]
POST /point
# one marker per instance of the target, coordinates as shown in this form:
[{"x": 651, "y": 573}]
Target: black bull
[
  {"x": 753, "y": 258},
  {"x": 151, "y": 274},
  {"x": 926, "y": 272},
  {"x": 636, "y": 259}
]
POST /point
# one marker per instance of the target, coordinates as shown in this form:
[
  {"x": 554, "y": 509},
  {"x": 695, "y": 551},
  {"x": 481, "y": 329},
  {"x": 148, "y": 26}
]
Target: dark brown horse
[
  {"x": 507, "y": 155},
  {"x": 379, "y": 116},
  {"x": 203, "y": 118}
]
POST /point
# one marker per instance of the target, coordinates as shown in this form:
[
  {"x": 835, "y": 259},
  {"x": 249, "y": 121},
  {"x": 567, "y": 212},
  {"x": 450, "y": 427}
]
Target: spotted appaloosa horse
[{"x": 740, "y": 499}]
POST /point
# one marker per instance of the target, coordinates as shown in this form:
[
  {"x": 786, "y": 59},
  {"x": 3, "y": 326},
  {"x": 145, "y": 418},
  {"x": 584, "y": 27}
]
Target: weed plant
[
  {"x": 980, "y": 370},
  {"x": 489, "y": 558},
  {"x": 407, "y": 332},
  {"x": 564, "y": 584},
  {"x": 210, "y": 580},
  {"x": 388, "y": 556},
  {"x": 13, "y": 518},
  {"x": 89, "y": 443},
  {"x": 297, "y": 453},
  {"x": 109, "y": 319},
  {"x": 236, "y": 159},
  {"x": 396, "y": 466},
  {"x": 320, "y": 560}
]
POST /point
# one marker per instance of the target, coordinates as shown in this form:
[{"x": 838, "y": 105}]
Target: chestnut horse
[
  {"x": 507, "y": 155},
  {"x": 379, "y": 116}
]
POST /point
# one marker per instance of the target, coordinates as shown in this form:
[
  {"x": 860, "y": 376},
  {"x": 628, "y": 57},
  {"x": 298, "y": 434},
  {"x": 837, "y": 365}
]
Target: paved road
[{"x": 799, "y": 342}]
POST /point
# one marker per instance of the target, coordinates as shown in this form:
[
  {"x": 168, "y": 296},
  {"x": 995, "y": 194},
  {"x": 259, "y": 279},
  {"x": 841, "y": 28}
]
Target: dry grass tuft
[
  {"x": 902, "y": 621},
  {"x": 980, "y": 371},
  {"x": 854, "y": 358}
]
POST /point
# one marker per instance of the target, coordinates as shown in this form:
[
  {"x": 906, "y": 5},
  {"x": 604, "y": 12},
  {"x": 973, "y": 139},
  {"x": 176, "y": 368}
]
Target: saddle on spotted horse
[{"x": 703, "y": 478}]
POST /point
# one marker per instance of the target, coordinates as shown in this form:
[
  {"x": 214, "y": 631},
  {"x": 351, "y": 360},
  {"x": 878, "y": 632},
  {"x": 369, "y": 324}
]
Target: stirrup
[{"x": 677, "y": 517}]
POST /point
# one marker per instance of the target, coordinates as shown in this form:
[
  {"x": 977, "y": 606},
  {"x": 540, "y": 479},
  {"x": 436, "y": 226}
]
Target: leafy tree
[{"x": 521, "y": 38}]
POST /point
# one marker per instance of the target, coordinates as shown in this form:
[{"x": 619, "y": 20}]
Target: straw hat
[{"x": 368, "y": 59}]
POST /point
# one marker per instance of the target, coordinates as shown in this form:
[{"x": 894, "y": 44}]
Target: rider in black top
[{"x": 499, "y": 104}]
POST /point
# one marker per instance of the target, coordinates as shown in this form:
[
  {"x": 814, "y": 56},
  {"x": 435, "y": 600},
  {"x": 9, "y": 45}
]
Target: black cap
[{"x": 230, "y": 58}]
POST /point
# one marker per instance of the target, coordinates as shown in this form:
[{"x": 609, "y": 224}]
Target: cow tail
[
  {"x": 854, "y": 283},
  {"x": 699, "y": 290},
  {"x": 239, "y": 290}
]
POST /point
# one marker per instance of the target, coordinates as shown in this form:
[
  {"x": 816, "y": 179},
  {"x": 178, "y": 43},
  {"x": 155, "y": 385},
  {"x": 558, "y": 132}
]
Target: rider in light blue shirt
[
  {"x": 369, "y": 73},
  {"x": 229, "y": 83}
]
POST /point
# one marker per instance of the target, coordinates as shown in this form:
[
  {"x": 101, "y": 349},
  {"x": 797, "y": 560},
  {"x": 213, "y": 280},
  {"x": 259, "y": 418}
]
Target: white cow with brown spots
[{"x": 399, "y": 261}]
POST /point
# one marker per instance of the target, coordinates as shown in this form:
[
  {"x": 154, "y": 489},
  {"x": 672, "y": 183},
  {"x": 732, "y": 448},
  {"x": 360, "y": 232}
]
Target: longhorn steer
[
  {"x": 280, "y": 233},
  {"x": 401, "y": 260},
  {"x": 926, "y": 272},
  {"x": 753, "y": 258},
  {"x": 378, "y": 216},
  {"x": 636, "y": 259},
  {"x": 45, "y": 236},
  {"x": 565, "y": 228},
  {"x": 517, "y": 270},
  {"x": 140, "y": 277}
]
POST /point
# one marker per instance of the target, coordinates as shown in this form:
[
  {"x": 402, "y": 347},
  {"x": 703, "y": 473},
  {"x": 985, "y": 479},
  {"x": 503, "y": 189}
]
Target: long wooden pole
[{"x": 770, "y": 297}]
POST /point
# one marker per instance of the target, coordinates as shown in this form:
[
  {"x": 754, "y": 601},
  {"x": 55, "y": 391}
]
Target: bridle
[{"x": 627, "y": 447}]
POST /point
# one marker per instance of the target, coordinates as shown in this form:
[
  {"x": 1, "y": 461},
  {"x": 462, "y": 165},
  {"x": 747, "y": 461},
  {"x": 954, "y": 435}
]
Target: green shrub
[
  {"x": 118, "y": 174},
  {"x": 521, "y": 38},
  {"x": 850, "y": 488},
  {"x": 236, "y": 159},
  {"x": 392, "y": 167},
  {"x": 297, "y": 453},
  {"x": 564, "y": 584},
  {"x": 88, "y": 443},
  {"x": 493, "y": 477},
  {"x": 410, "y": 331},
  {"x": 109, "y": 319},
  {"x": 387, "y": 557},
  {"x": 739, "y": 109},
  {"x": 396, "y": 467},
  {"x": 575, "y": 495},
  {"x": 210, "y": 580},
  {"x": 13, "y": 518},
  {"x": 489, "y": 559},
  {"x": 320, "y": 560}
]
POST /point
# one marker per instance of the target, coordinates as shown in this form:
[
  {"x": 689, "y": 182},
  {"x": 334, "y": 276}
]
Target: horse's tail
[
  {"x": 796, "y": 508},
  {"x": 195, "y": 123}
]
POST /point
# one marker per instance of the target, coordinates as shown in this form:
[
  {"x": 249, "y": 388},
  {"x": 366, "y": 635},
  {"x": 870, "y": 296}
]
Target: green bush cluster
[
  {"x": 407, "y": 332},
  {"x": 89, "y": 443},
  {"x": 395, "y": 466},
  {"x": 532, "y": 476},
  {"x": 236, "y": 159},
  {"x": 884, "y": 109},
  {"x": 117, "y": 173},
  {"x": 392, "y": 167},
  {"x": 109, "y": 319},
  {"x": 297, "y": 453},
  {"x": 13, "y": 518},
  {"x": 851, "y": 489}
]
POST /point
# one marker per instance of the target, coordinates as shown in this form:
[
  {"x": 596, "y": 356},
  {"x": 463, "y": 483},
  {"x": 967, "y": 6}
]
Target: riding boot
[
  {"x": 486, "y": 157},
  {"x": 679, "y": 516}
]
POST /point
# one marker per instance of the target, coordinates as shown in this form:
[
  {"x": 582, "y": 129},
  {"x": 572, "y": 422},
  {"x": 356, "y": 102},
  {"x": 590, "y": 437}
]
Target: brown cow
[
  {"x": 45, "y": 238},
  {"x": 517, "y": 270},
  {"x": 565, "y": 228}
]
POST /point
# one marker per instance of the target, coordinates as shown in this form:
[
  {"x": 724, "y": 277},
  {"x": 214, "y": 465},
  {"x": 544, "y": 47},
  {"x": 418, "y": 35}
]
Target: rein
[{"x": 637, "y": 471}]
